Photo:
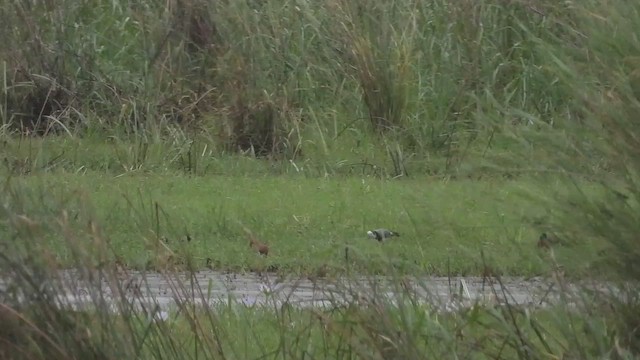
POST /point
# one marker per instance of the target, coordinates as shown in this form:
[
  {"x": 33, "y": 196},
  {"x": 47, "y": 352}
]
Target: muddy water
[{"x": 165, "y": 291}]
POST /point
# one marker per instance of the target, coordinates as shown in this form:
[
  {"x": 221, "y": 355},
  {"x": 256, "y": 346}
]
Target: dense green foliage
[{"x": 398, "y": 85}]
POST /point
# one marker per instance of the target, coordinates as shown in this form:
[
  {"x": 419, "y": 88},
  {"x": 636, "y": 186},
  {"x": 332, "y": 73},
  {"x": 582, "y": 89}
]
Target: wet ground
[{"x": 164, "y": 291}]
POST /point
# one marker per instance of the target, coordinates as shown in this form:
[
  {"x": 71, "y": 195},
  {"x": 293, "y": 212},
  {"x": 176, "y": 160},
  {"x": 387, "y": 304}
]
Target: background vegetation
[
  {"x": 522, "y": 108},
  {"x": 392, "y": 89}
]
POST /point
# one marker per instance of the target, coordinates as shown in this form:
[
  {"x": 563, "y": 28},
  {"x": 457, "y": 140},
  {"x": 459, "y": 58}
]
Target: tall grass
[
  {"x": 279, "y": 77},
  {"x": 595, "y": 56}
]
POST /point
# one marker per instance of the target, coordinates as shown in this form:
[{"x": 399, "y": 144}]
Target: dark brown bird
[
  {"x": 256, "y": 244},
  {"x": 545, "y": 241}
]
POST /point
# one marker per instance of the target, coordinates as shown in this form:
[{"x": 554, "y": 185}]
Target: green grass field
[{"x": 447, "y": 227}]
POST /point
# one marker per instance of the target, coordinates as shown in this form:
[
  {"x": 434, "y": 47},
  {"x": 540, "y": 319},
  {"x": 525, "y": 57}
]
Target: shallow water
[{"x": 165, "y": 291}]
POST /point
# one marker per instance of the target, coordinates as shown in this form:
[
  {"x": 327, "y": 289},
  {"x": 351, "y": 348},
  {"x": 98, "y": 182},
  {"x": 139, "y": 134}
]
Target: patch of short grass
[{"x": 446, "y": 227}]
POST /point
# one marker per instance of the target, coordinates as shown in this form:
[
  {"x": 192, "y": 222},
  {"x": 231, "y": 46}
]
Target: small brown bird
[
  {"x": 545, "y": 241},
  {"x": 255, "y": 243}
]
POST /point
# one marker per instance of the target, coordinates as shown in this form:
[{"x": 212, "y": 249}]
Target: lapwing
[{"x": 381, "y": 234}]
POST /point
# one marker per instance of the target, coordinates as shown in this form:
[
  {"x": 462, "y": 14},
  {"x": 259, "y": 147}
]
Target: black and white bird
[{"x": 381, "y": 234}]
